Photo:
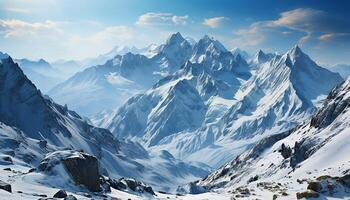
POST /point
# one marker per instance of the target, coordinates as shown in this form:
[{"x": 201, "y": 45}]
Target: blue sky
[{"x": 75, "y": 29}]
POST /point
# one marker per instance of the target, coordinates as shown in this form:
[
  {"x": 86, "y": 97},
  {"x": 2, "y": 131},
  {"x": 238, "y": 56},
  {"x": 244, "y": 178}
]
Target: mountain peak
[
  {"x": 207, "y": 37},
  {"x": 3, "y": 55},
  {"x": 209, "y": 43},
  {"x": 175, "y": 38},
  {"x": 296, "y": 52},
  {"x": 260, "y": 57}
]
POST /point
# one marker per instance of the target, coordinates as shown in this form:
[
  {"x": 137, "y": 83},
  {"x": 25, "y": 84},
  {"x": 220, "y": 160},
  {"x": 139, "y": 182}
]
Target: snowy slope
[
  {"x": 317, "y": 148},
  {"x": 109, "y": 85},
  {"x": 33, "y": 125},
  {"x": 239, "y": 109}
]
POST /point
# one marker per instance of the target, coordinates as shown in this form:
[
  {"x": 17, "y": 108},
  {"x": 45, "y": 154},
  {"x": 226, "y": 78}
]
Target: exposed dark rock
[
  {"x": 5, "y": 186},
  {"x": 307, "y": 194},
  {"x": 105, "y": 185},
  {"x": 7, "y": 169},
  {"x": 31, "y": 170},
  {"x": 84, "y": 170},
  {"x": 285, "y": 151},
  {"x": 124, "y": 183},
  {"x": 302, "y": 150},
  {"x": 335, "y": 104},
  {"x": 315, "y": 186},
  {"x": 42, "y": 143},
  {"x": 82, "y": 167},
  {"x": 274, "y": 197},
  {"x": 60, "y": 194},
  {"x": 345, "y": 180},
  {"x": 7, "y": 159},
  {"x": 252, "y": 179}
]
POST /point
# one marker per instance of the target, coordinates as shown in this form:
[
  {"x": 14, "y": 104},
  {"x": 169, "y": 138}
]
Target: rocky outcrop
[
  {"x": 60, "y": 194},
  {"x": 82, "y": 167},
  {"x": 307, "y": 194},
  {"x": 5, "y": 186},
  {"x": 336, "y": 102},
  {"x": 285, "y": 151},
  {"x": 131, "y": 184},
  {"x": 302, "y": 150},
  {"x": 84, "y": 171}
]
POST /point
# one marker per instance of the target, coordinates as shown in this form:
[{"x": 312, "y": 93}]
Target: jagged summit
[
  {"x": 175, "y": 38},
  {"x": 261, "y": 57},
  {"x": 3, "y": 55},
  {"x": 208, "y": 44}
]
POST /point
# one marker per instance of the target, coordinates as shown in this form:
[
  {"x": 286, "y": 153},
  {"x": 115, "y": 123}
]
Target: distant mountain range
[{"x": 167, "y": 115}]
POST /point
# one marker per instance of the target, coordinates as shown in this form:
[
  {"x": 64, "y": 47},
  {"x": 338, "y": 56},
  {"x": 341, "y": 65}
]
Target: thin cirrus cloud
[
  {"x": 17, "y": 28},
  {"x": 308, "y": 21},
  {"x": 18, "y": 10},
  {"x": 153, "y": 18},
  {"x": 54, "y": 35},
  {"x": 215, "y": 22}
]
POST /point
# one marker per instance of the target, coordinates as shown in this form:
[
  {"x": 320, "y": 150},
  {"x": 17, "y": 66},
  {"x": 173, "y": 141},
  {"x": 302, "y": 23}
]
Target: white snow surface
[{"x": 32, "y": 125}]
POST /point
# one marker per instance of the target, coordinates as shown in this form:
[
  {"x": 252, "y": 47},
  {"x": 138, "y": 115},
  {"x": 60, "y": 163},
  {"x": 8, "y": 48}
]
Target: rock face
[
  {"x": 84, "y": 170},
  {"x": 307, "y": 194},
  {"x": 337, "y": 101},
  {"x": 82, "y": 167},
  {"x": 5, "y": 186},
  {"x": 132, "y": 184},
  {"x": 285, "y": 151},
  {"x": 60, "y": 194}
]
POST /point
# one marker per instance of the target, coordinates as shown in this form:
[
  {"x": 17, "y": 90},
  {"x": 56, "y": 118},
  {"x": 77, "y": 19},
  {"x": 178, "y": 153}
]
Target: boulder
[
  {"x": 307, "y": 194},
  {"x": 286, "y": 151},
  {"x": 5, "y": 186},
  {"x": 315, "y": 186},
  {"x": 82, "y": 167},
  {"x": 136, "y": 186},
  {"x": 84, "y": 171},
  {"x": 60, "y": 194}
]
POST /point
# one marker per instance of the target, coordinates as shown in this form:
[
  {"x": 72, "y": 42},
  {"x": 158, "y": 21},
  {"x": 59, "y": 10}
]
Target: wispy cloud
[
  {"x": 18, "y": 10},
  {"x": 153, "y": 18},
  {"x": 14, "y": 27},
  {"x": 54, "y": 36},
  {"x": 311, "y": 22},
  {"x": 215, "y": 21}
]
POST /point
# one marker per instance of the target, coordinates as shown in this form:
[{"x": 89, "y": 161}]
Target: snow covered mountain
[
  {"x": 178, "y": 102},
  {"x": 213, "y": 106},
  {"x": 41, "y": 72},
  {"x": 310, "y": 160},
  {"x": 32, "y": 125},
  {"x": 108, "y": 86}
]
